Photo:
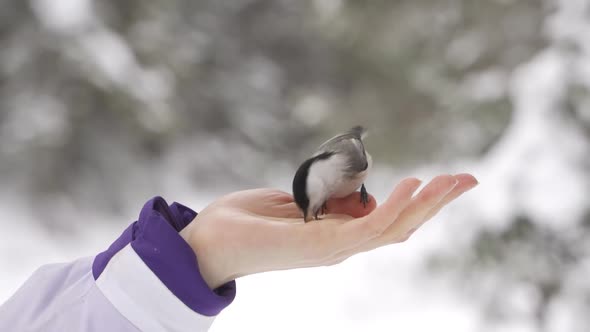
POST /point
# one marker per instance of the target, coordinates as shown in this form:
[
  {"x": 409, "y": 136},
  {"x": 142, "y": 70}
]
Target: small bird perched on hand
[{"x": 337, "y": 169}]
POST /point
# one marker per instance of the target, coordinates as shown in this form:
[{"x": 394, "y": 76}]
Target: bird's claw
[
  {"x": 364, "y": 196},
  {"x": 321, "y": 211}
]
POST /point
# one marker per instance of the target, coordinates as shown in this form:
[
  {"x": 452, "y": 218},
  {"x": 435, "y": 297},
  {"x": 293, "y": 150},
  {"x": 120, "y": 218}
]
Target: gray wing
[
  {"x": 357, "y": 132},
  {"x": 349, "y": 143}
]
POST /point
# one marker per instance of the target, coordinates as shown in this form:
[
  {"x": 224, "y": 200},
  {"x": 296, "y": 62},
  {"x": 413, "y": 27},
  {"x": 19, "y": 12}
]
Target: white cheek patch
[
  {"x": 315, "y": 192},
  {"x": 323, "y": 179}
]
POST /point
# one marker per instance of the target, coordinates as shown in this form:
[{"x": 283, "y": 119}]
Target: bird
[{"x": 337, "y": 169}]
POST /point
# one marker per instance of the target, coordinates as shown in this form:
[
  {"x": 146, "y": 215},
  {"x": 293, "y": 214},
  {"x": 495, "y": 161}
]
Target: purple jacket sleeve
[{"x": 147, "y": 280}]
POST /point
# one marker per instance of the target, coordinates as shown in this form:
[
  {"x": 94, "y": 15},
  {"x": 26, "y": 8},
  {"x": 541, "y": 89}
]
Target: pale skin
[{"x": 262, "y": 230}]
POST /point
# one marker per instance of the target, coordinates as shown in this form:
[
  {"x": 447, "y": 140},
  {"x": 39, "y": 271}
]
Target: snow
[
  {"x": 352, "y": 296},
  {"x": 537, "y": 165},
  {"x": 64, "y": 14},
  {"x": 25, "y": 246}
]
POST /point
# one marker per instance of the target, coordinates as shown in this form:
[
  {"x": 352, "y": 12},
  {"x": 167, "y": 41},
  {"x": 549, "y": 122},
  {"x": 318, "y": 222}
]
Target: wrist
[{"x": 210, "y": 266}]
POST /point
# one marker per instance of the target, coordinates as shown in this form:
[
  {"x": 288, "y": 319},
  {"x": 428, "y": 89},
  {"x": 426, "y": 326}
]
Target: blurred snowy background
[{"x": 104, "y": 104}]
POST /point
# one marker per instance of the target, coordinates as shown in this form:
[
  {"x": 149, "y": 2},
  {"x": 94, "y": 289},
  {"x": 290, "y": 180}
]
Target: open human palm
[{"x": 262, "y": 230}]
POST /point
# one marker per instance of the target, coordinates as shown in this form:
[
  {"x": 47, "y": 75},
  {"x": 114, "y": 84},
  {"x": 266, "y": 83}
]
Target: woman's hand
[{"x": 262, "y": 230}]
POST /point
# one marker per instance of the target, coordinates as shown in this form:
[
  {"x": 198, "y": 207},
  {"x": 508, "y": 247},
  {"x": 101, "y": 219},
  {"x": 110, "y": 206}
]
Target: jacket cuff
[{"x": 151, "y": 266}]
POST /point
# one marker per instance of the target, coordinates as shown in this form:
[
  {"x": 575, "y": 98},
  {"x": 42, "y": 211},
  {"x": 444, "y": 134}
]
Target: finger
[
  {"x": 336, "y": 208},
  {"x": 424, "y": 201},
  {"x": 351, "y": 205},
  {"x": 372, "y": 225},
  {"x": 403, "y": 227},
  {"x": 466, "y": 183},
  {"x": 411, "y": 216}
]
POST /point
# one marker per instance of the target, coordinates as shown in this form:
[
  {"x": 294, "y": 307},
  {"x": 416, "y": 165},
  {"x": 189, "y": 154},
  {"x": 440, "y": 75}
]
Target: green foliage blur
[{"x": 88, "y": 90}]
